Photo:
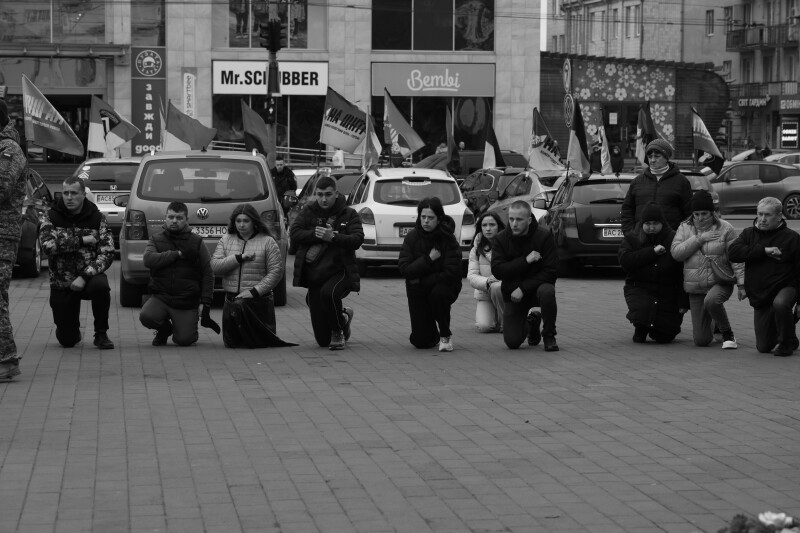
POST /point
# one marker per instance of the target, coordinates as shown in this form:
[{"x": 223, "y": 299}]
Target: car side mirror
[
  {"x": 540, "y": 203},
  {"x": 121, "y": 200},
  {"x": 290, "y": 198}
]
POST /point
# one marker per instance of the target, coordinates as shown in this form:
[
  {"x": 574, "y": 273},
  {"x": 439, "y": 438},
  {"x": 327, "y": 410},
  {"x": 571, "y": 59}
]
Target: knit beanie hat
[
  {"x": 3, "y": 113},
  {"x": 652, "y": 213},
  {"x": 702, "y": 201},
  {"x": 660, "y": 145}
]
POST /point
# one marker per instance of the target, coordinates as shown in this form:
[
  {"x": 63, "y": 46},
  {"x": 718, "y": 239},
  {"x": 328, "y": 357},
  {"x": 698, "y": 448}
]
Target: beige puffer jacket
[
  {"x": 480, "y": 269},
  {"x": 699, "y": 275},
  {"x": 263, "y": 272}
]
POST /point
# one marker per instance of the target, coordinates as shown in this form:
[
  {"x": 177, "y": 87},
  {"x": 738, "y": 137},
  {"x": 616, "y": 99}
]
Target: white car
[{"x": 387, "y": 202}]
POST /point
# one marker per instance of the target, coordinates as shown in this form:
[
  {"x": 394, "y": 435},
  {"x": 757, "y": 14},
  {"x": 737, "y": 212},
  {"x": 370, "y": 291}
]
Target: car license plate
[
  {"x": 404, "y": 230},
  {"x": 210, "y": 231},
  {"x": 612, "y": 233},
  {"x": 105, "y": 198}
]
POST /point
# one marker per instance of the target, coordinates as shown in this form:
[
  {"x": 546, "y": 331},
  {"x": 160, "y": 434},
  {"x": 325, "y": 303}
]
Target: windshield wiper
[
  {"x": 402, "y": 202},
  {"x": 608, "y": 201},
  {"x": 215, "y": 199}
]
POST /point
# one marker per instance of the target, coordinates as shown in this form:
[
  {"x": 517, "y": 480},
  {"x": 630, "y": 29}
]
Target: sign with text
[
  {"x": 189, "y": 90},
  {"x": 148, "y": 95},
  {"x": 298, "y": 78},
  {"x": 790, "y": 104},
  {"x": 789, "y": 135},
  {"x": 434, "y": 79}
]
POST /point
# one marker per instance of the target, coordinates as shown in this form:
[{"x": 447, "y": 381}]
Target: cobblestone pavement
[{"x": 603, "y": 436}]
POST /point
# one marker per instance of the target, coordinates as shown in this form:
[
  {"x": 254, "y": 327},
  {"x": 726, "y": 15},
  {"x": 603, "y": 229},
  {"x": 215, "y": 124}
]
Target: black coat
[
  {"x": 509, "y": 262},
  {"x": 653, "y": 283},
  {"x": 673, "y": 193},
  {"x": 415, "y": 263}
]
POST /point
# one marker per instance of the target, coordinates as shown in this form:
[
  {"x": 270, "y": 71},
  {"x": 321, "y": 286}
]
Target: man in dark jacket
[
  {"x": 284, "y": 180},
  {"x": 327, "y": 233},
  {"x": 525, "y": 259},
  {"x": 80, "y": 248},
  {"x": 770, "y": 252},
  {"x": 662, "y": 183},
  {"x": 12, "y": 192},
  {"x": 180, "y": 280}
]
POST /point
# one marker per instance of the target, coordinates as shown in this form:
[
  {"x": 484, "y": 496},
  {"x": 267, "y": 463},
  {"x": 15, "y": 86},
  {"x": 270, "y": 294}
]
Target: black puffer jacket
[
  {"x": 415, "y": 263},
  {"x": 673, "y": 193},
  {"x": 509, "y": 263},
  {"x": 180, "y": 269}
]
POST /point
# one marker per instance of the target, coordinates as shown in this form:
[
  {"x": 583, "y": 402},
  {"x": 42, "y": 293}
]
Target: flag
[
  {"x": 182, "y": 132},
  {"x": 577, "y": 152},
  {"x": 371, "y": 147},
  {"x": 645, "y": 132},
  {"x": 256, "y": 134},
  {"x": 605, "y": 154},
  {"x": 343, "y": 124},
  {"x": 107, "y": 128},
  {"x": 492, "y": 157},
  {"x": 703, "y": 142},
  {"x": 543, "y": 152},
  {"x": 452, "y": 148},
  {"x": 44, "y": 125},
  {"x": 396, "y": 130}
]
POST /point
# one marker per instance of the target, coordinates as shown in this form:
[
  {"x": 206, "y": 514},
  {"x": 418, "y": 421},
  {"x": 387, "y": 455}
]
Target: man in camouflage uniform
[
  {"x": 80, "y": 248},
  {"x": 12, "y": 193}
]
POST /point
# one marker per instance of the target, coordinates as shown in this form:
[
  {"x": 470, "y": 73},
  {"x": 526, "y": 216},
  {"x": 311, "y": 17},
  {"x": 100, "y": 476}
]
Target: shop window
[
  {"x": 148, "y": 23},
  {"x": 305, "y": 24}
]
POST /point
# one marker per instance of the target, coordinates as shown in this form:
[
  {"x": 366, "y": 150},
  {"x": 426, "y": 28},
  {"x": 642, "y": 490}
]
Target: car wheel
[
  {"x": 791, "y": 206},
  {"x": 279, "y": 292},
  {"x": 130, "y": 295},
  {"x": 34, "y": 267},
  {"x": 568, "y": 267},
  {"x": 363, "y": 268}
]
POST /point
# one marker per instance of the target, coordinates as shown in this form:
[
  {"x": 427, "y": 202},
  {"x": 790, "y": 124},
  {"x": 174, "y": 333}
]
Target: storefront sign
[
  {"x": 434, "y": 79},
  {"x": 790, "y": 104},
  {"x": 189, "y": 89},
  {"x": 759, "y": 101},
  {"x": 789, "y": 135},
  {"x": 250, "y": 77},
  {"x": 149, "y": 96}
]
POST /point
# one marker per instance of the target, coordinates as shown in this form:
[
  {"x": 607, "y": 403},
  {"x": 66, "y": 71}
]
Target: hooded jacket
[
  {"x": 764, "y": 276},
  {"x": 340, "y": 253},
  {"x": 480, "y": 269},
  {"x": 415, "y": 262},
  {"x": 12, "y": 186},
  {"x": 263, "y": 273},
  {"x": 180, "y": 282},
  {"x": 672, "y": 192},
  {"x": 62, "y": 234},
  {"x": 509, "y": 263},
  {"x": 706, "y": 264}
]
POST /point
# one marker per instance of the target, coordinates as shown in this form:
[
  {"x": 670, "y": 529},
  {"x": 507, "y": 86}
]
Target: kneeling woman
[
  {"x": 489, "y": 312},
  {"x": 430, "y": 261},
  {"x": 654, "y": 280}
]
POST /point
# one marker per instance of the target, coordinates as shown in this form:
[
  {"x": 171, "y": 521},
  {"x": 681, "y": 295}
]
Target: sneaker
[
  {"x": 445, "y": 344},
  {"x": 729, "y": 341},
  {"x": 337, "y": 341},
  {"x": 348, "y": 319},
  {"x": 102, "y": 341},
  {"x": 8, "y": 370},
  {"x": 162, "y": 335},
  {"x": 640, "y": 335},
  {"x": 550, "y": 344},
  {"x": 782, "y": 350},
  {"x": 534, "y": 323}
]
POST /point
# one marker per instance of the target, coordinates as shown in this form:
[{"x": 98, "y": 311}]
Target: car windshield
[
  {"x": 411, "y": 191},
  {"x": 605, "y": 192},
  {"x": 478, "y": 182},
  {"x": 203, "y": 180},
  {"x": 104, "y": 175}
]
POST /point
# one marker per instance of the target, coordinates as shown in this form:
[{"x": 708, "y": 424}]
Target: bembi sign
[
  {"x": 250, "y": 77},
  {"x": 433, "y": 79}
]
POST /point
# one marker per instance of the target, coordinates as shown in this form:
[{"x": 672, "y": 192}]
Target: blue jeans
[{"x": 707, "y": 307}]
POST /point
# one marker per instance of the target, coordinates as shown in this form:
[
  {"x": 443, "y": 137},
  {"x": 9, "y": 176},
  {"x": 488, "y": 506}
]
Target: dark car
[
  {"x": 470, "y": 161},
  {"x": 38, "y": 199},
  {"x": 742, "y": 185},
  {"x": 481, "y": 188},
  {"x": 526, "y": 187},
  {"x": 345, "y": 179},
  {"x": 584, "y": 216}
]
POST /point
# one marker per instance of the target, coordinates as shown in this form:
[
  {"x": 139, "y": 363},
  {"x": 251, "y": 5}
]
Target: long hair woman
[{"x": 489, "y": 311}]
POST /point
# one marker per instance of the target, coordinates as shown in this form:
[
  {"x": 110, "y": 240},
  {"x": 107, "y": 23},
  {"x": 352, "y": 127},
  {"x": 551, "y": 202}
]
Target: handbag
[{"x": 723, "y": 277}]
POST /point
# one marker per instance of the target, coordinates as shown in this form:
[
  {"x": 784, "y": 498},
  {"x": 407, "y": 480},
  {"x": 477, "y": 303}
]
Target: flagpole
[{"x": 695, "y": 162}]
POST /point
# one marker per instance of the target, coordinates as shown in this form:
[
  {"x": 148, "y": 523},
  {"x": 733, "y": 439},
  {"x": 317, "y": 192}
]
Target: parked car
[
  {"x": 525, "y": 186},
  {"x": 302, "y": 175},
  {"x": 38, "y": 200},
  {"x": 480, "y": 189},
  {"x": 387, "y": 202},
  {"x": 701, "y": 180},
  {"x": 789, "y": 158},
  {"x": 211, "y": 184},
  {"x": 584, "y": 216},
  {"x": 742, "y": 185},
  {"x": 470, "y": 161},
  {"x": 345, "y": 179},
  {"x": 105, "y": 179}
]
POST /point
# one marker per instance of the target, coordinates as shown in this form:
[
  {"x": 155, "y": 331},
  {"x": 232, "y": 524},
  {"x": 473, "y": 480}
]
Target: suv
[
  {"x": 211, "y": 184},
  {"x": 105, "y": 179},
  {"x": 38, "y": 200},
  {"x": 471, "y": 160}
]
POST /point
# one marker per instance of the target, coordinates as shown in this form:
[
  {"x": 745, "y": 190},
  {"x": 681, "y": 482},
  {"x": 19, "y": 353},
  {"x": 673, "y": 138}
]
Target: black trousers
[
  {"x": 66, "y": 305},
  {"x": 515, "y": 315},
  {"x": 325, "y": 304},
  {"x": 429, "y": 311},
  {"x": 774, "y": 324}
]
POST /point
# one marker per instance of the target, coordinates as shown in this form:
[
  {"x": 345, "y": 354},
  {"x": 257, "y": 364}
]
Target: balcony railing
[
  {"x": 754, "y": 90},
  {"x": 762, "y": 37}
]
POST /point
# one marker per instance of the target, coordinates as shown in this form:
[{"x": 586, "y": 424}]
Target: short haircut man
[
  {"x": 178, "y": 207},
  {"x": 326, "y": 182},
  {"x": 770, "y": 203},
  {"x": 72, "y": 180}
]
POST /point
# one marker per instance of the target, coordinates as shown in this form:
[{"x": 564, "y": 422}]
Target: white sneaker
[
  {"x": 445, "y": 344},
  {"x": 729, "y": 343}
]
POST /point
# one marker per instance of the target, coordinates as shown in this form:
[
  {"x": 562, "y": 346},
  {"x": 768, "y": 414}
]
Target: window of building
[
  {"x": 637, "y": 18},
  {"x": 628, "y": 21},
  {"x": 710, "y": 22},
  {"x": 766, "y": 68},
  {"x": 747, "y": 13},
  {"x": 555, "y": 44},
  {"x": 562, "y": 40},
  {"x": 747, "y": 70},
  {"x": 148, "y": 23},
  {"x": 593, "y": 26},
  {"x": 615, "y": 22},
  {"x": 603, "y": 26},
  {"x": 57, "y": 21},
  {"x": 726, "y": 69},
  {"x": 305, "y": 23},
  {"x": 727, "y": 13},
  {"x": 432, "y": 25},
  {"x": 789, "y": 70}
]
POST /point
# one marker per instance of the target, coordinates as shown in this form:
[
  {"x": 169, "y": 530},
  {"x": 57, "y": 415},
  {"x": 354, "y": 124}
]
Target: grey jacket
[{"x": 263, "y": 273}]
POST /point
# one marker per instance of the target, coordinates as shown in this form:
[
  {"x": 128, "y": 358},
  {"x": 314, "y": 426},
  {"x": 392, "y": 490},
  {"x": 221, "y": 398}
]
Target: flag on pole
[
  {"x": 107, "y": 129},
  {"x": 396, "y": 130},
  {"x": 543, "y": 152},
  {"x": 44, "y": 125},
  {"x": 577, "y": 151},
  {"x": 605, "y": 154},
  {"x": 645, "y": 132},
  {"x": 182, "y": 132},
  {"x": 371, "y": 147},
  {"x": 492, "y": 157},
  {"x": 452, "y": 148},
  {"x": 256, "y": 134},
  {"x": 703, "y": 142},
  {"x": 343, "y": 124}
]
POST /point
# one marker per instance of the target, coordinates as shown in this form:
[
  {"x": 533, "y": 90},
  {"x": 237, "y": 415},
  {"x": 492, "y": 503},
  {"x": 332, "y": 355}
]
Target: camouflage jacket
[
  {"x": 62, "y": 236},
  {"x": 12, "y": 183}
]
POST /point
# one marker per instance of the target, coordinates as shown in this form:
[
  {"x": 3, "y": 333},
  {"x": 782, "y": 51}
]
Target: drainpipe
[
  {"x": 683, "y": 34},
  {"x": 641, "y": 29}
]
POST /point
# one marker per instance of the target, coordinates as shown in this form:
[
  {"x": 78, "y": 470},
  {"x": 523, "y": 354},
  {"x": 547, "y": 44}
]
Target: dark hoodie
[
  {"x": 673, "y": 193},
  {"x": 415, "y": 262},
  {"x": 180, "y": 282},
  {"x": 509, "y": 263},
  {"x": 12, "y": 186}
]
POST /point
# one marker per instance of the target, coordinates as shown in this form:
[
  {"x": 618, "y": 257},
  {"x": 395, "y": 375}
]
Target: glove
[{"x": 207, "y": 322}]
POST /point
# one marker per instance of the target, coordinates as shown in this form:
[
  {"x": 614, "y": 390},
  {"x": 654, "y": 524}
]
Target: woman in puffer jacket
[
  {"x": 489, "y": 312},
  {"x": 701, "y": 243},
  {"x": 249, "y": 260}
]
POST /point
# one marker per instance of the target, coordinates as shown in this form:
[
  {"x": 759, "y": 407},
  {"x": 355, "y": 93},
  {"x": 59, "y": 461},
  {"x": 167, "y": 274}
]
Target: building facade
[{"x": 479, "y": 57}]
